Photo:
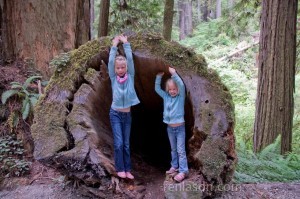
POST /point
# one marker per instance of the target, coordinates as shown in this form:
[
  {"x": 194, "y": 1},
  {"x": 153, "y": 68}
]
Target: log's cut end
[{"x": 71, "y": 128}]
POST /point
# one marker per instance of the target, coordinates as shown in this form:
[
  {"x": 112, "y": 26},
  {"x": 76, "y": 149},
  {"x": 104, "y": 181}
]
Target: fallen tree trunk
[
  {"x": 71, "y": 127},
  {"x": 231, "y": 54}
]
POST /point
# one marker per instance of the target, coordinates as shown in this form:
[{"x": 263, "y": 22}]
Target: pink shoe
[
  {"x": 179, "y": 177},
  {"x": 121, "y": 174},
  {"x": 171, "y": 170},
  {"x": 129, "y": 175}
]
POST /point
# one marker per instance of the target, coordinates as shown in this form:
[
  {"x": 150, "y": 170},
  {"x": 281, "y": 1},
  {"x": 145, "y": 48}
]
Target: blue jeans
[
  {"x": 177, "y": 142},
  {"x": 121, "y": 125}
]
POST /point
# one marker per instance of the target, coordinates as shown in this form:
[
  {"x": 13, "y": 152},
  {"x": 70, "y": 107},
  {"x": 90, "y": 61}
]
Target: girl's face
[
  {"x": 173, "y": 90},
  {"x": 120, "y": 68}
]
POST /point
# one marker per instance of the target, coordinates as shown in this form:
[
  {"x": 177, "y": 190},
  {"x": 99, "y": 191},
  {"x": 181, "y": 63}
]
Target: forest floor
[{"x": 45, "y": 182}]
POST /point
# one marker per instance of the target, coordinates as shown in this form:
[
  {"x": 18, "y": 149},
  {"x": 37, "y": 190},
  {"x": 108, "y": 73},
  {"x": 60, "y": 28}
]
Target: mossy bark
[{"x": 73, "y": 113}]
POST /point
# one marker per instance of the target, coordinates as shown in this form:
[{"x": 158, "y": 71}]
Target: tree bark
[
  {"x": 168, "y": 19},
  {"x": 205, "y": 10},
  {"x": 181, "y": 8},
  {"x": 185, "y": 18},
  {"x": 218, "y": 8},
  {"x": 189, "y": 18},
  {"x": 103, "y": 18},
  {"x": 39, "y": 30},
  {"x": 276, "y": 74},
  {"x": 199, "y": 11},
  {"x": 92, "y": 15}
]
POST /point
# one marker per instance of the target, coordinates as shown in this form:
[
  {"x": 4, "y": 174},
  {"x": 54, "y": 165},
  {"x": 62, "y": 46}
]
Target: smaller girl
[{"x": 173, "y": 116}]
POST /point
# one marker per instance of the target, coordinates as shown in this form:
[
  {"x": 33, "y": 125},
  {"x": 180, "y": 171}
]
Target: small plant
[
  {"x": 60, "y": 61},
  {"x": 267, "y": 166},
  {"x": 29, "y": 98},
  {"x": 11, "y": 157}
]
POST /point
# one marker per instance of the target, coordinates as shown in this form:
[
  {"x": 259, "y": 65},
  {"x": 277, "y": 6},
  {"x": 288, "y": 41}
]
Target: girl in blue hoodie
[
  {"x": 173, "y": 116},
  {"x": 121, "y": 73}
]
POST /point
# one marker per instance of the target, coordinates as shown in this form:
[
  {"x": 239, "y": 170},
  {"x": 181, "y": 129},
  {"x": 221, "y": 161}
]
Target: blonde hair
[
  {"x": 120, "y": 59},
  {"x": 170, "y": 81}
]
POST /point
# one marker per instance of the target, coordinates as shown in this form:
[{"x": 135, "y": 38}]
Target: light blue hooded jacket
[
  {"x": 124, "y": 94},
  {"x": 173, "y": 106}
]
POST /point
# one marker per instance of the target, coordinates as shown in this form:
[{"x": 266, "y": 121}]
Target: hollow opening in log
[{"x": 149, "y": 137}]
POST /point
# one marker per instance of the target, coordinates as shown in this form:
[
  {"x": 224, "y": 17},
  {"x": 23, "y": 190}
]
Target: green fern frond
[
  {"x": 26, "y": 110},
  {"x": 30, "y": 79},
  {"x": 7, "y": 94}
]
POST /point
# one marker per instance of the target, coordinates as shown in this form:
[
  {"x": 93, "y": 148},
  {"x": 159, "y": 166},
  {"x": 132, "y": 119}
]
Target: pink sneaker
[
  {"x": 129, "y": 175},
  {"x": 121, "y": 174},
  {"x": 171, "y": 170}
]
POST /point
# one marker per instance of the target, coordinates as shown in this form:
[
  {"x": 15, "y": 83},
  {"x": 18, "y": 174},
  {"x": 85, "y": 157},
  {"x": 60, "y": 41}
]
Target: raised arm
[
  {"x": 158, "y": 89},
  {"x": 112, "y": 56},
  {"x": 178, "y": 81},
  {"x": 128, "y": 53}
]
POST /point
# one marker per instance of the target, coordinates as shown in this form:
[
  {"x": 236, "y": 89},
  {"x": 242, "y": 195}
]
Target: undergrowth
[{"x": 239, "y": 73}]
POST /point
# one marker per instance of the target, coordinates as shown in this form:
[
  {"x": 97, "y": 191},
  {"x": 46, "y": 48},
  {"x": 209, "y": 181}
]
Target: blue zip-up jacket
[
  {"x": 124, "y": 95},
  {"x": 173, "y": 106}
]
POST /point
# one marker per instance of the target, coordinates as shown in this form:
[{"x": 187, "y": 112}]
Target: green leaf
[
  {"x": 33, "y": 100},
  {"x": 30, "y": 79},
  {"x": 15, "y": 83},
  {"x": 26, "y": 111},
  {"x": 16, "y": 86},
  {"x": 8, "y": 94},
  {"x": 25, "y": 101}
]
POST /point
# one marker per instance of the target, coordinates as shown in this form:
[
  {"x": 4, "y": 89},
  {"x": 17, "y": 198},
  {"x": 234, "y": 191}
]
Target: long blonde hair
[{"x": 120, "y": 59}]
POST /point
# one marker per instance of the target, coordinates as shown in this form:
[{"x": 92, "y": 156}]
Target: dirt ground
[{"x": 45, "y": 182}]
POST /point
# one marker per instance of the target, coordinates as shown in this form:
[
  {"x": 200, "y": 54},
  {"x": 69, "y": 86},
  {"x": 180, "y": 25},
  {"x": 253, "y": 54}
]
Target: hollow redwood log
[{"x": 71, "y": 128}]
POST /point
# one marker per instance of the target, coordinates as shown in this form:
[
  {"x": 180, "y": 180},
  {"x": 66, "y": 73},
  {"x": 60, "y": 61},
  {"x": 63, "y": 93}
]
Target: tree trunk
[
  {"x": 39, "y": 30},
  {"x": 199, "y": 11},
  {"x": 71, "y": 128},
  {"x": 103, "y": 18},
  {"x": 205, "y": 10},
  {"x": 181, "y": 8},
  {"x": 185, "y": 18},
  {"x": 218, "y": 8},
  {"x": 92, "y": 15},
  {"x": 276, "y": 74},
  {"x": 168, "y": 19},
  {"x": 189, "y": 18}
]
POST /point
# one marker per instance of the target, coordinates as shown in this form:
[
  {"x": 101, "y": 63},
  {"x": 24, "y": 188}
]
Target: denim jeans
[
  {"x": 121, "y": 126},
  {"x": 177, "y": 142}
]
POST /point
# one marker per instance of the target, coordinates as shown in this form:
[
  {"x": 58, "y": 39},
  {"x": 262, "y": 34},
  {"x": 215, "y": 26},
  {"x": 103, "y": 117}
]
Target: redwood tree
[
  {"x": 276, "y": 74},
  {"x": 39, "y": 30},
  {"x": 168, "y": 19},
  {"x": 185, "y": 18},
  {"x": 103, "y": 18}
]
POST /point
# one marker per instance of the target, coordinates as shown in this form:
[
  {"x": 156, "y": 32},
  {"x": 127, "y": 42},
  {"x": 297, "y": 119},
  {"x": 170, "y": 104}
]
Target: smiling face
[
  {"x": 120, "y": 66},
  {"x": 172, "y": 88}
]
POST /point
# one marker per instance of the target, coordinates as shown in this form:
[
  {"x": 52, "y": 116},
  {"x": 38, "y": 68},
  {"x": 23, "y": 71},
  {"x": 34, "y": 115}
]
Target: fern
[
  {"x": 7, "y": 94},
  {"x": 29, "y": 99},
  {"x": 268, "y": 165}
]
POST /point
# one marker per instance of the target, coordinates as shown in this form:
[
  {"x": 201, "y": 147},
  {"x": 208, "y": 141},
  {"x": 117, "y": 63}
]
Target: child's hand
[
  {"x": 116, "y": 41},
  {"x": 123, "y": 39},
  {"x": 160, "y": 74},
  {"x": 172, "y": 70}
]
